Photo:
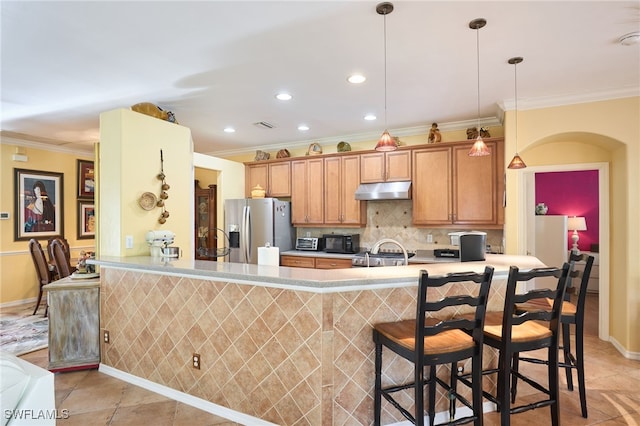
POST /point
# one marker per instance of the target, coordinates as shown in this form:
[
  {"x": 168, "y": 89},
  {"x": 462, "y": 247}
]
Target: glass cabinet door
[{"x": 205, "y": 222}]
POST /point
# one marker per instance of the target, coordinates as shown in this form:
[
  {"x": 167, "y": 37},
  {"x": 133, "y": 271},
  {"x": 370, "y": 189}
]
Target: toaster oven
[{"x": 309, "y": 243}]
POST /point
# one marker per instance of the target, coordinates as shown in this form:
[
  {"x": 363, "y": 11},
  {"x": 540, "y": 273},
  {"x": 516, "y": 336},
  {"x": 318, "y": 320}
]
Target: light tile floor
[{"x": 613, "y": 393}]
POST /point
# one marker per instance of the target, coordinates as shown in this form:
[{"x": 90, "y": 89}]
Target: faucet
[{"x": 376, "y": 248}]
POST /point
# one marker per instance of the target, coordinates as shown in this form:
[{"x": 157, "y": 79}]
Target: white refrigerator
[{"x": 551, "y": 241}]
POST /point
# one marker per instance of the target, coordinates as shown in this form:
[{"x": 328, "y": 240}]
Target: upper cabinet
[
  {"x": 385, "y": 166},
  {"x": 451, "y": 188},
  {"x": 307, "y": 192},
  {"x": 341, "y": 179},
  {"x": 274, "y": 178}
]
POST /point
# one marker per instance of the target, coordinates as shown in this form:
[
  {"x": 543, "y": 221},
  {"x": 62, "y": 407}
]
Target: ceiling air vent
[{"x": 264, "y": 125}]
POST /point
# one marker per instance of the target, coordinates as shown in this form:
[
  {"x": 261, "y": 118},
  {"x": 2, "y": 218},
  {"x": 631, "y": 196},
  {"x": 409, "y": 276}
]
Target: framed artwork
[
  {"x": 86, "y": 179},
  {"x": 38, "y": 202},
  {"x": 86, "y": 219}
]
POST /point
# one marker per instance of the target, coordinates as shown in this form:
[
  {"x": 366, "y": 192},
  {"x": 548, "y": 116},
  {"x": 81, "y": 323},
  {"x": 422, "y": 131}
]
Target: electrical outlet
[
  {"x": 196, "y": 361},
  {"x": 430, "y": 238},
  {"x": 105, "y": 336}
]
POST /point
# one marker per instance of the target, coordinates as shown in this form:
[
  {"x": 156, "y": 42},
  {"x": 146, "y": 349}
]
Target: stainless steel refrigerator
[{"x": 252, "y": 223}]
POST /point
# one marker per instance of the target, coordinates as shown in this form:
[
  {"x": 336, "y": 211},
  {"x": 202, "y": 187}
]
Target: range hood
[{"x": 384, "y": 191}]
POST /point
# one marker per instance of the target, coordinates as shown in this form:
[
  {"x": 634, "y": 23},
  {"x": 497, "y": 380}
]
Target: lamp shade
[
  {"x": 577, "y": 223},
  {"x": 386, "y": 143}
]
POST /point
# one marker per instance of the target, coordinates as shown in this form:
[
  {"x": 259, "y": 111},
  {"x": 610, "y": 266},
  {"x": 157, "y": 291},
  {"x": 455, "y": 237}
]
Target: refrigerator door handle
[{"x": 246, "y": 228}]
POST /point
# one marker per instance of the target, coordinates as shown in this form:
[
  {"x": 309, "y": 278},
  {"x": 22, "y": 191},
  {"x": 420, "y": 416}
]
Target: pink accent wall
[{"x": 572, "y": 194}]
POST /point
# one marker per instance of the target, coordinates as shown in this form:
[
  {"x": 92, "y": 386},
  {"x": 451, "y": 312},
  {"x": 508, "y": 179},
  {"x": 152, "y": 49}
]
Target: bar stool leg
[
  {"x": 554, "y": 388},
  {"x": 580, "y": 365},
  {"x": 566, "y": 349},
  {"x": 377, "y": 403}
]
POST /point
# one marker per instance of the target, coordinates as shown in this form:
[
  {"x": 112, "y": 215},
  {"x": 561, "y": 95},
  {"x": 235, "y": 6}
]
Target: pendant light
[
  {"x": 516, "y": 162},
  {"x": 479, "y": 148},
  {"x": 386, "y": 143}
]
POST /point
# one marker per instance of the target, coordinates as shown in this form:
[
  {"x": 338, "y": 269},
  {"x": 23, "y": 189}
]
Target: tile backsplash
[{"x": 392, "y": 219}]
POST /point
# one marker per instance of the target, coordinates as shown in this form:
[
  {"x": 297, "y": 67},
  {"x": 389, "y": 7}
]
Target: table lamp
[{"x": 575, "y": 224}]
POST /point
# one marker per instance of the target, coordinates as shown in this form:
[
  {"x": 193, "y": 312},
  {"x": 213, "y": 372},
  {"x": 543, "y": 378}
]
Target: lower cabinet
[
  {"x": 314, "y": 262},
  {"x": 74, "y": 324}
]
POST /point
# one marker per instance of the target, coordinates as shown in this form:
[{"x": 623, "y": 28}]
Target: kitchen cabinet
[
  {"x": 74, "y": 323},
  {"x": 451, "y": 188},
  {"x": 314, "y": 262},
  {"x": 341, "y": 179},
  {"x": 205, "y": 222},
  {"x": 391, "y": 166},
  {"x": 307, "y": 192},
  {"x": 274, "y": 178}
]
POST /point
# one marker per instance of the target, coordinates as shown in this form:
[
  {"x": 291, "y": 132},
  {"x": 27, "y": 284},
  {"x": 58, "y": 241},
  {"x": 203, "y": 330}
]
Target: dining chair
[
  {"x": 572, "y": 314},
  {"x": 430, "y": 340},
  {"x": 42, "y": 271},
  {"x": 60, "y": 259},
  {"x": 511, "y": 332}
]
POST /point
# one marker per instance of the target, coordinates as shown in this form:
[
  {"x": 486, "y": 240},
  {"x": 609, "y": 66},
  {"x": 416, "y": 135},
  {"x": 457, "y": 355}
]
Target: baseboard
[
  {"x": 625, "y": 353},
  {"x": 18, "y": 303},
  {"x": 185, "y": 398}
]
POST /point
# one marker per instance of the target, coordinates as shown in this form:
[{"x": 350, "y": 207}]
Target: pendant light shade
[
  {"x": 386, "y": 142},
  {"x": 479, "y": 148},
  {"x": 516, "y": 162}
]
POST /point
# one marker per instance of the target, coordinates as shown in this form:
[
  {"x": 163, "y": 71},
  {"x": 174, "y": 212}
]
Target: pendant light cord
[
  {"x": 515, "y": 79},
  {"x": 478, "y": 65},
  {"x": 385, "y": 70}
]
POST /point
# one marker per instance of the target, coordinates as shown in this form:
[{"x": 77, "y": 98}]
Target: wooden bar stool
[
  {"x": 511, "y": 333},
  {"x": 572, "y": 314},
  {"x": 427, "y": 342}
]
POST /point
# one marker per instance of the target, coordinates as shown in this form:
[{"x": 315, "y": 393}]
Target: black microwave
[{"x": 341, "y": 243}]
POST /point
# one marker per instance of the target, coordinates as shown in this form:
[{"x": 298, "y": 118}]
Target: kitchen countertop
[{"x": 314, "y": 280}]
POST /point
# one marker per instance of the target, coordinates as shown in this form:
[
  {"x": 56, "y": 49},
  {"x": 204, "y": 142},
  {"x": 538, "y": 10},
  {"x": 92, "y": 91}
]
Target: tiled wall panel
[{"x": 289, "y": 357}]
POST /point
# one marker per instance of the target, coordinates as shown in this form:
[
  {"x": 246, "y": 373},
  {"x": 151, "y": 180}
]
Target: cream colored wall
[
  {"x": 230, "y": 180},
  {"x": 418, "y": 139},
  {"x": 129, "y": 153},
  {"x": 18, "y": 279},
  {"x": 606, "y": 131}
]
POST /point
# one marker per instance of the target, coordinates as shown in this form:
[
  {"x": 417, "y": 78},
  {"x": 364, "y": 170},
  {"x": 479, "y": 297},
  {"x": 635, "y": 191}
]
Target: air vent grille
[{"x": 264, "y": 125}]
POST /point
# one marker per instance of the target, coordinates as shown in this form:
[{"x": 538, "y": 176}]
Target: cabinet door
[
  {"x": 475, "y": 198},
  {"x": 372, "y": 167},
  {"x": 332, "y": 191},
  {"x": 432, "y": 186},
  {"x": 307, "y": 192},
  {"x": 398, "y": 166},
  {"x": 279, "y": 179},
  {"x": 256, "y": 175},
  {"x": 205, "y": 222},
  {"x": 315, "y": 191},
  {"x": 354, "y": 212}
]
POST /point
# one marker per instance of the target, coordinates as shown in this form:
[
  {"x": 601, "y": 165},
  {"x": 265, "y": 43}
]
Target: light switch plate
[{"x": 128, "y": 241}]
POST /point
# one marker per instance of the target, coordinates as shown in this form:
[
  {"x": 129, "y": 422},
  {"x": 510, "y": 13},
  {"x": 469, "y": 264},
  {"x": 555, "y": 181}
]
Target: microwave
[
  {"x": 309, "y": 243},
  {"x": 341, "y": 243}
]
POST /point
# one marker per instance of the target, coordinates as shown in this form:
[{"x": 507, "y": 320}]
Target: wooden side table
[{"x": 74, "y": 323}]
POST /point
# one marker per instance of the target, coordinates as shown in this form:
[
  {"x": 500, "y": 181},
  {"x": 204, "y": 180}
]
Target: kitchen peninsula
[{"x": 285, "y": 345}]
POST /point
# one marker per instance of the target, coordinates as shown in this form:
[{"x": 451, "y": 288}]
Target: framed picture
[
  {"x": 86, "y": 179},
  {"x": 38, "y": 201},
  {"x": 86, "y": 219}
]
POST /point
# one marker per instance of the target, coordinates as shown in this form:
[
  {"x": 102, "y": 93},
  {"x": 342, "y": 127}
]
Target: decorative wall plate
[{"x": 148, "y": 200}]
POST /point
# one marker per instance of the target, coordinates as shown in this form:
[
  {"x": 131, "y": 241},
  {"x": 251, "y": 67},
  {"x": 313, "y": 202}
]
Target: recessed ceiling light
[
  {"x": 229, "y": 130},
  {"x": 370, "y": 117},
  {"x": 630, "y": 39},
  {"x": 303, "y": 127},
  {"x": 356, "y": 78},
  {"x": 283, "y": 96}
]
